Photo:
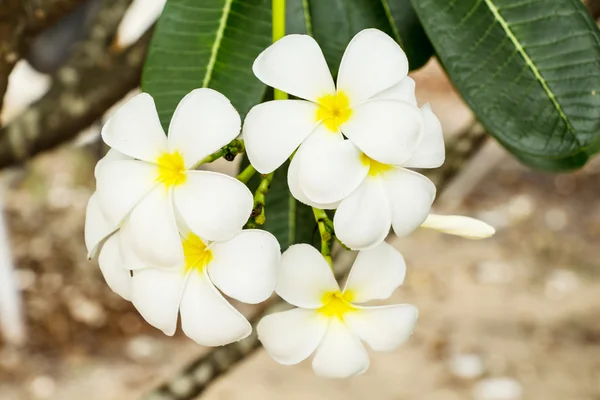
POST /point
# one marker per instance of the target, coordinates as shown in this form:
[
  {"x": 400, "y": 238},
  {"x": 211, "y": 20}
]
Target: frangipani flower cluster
[{"x": 170, "y": 238}]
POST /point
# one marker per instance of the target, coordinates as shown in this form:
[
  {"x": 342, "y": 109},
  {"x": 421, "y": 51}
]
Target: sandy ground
[{"x": 521, "y": 307}]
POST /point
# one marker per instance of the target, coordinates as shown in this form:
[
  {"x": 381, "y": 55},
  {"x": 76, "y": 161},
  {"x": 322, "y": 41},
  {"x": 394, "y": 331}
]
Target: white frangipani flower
[
  {"x": 149, "y": 178},
  {"x": 361, "y": 106},
  {"x": 327, "y": 321}
]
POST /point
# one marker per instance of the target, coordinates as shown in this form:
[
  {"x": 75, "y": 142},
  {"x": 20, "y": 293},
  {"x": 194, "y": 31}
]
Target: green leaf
[
  {"x": 209, "y": 43},
  {"x": 335, "y": 22},
  {"x": 530, "y": 70},
  {"x": 286, "y": 218}
]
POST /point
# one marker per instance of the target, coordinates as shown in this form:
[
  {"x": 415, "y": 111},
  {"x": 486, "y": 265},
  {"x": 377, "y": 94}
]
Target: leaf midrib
[
  {"x": 217, "y": 43},
  {"x": 536, "y": 72}
]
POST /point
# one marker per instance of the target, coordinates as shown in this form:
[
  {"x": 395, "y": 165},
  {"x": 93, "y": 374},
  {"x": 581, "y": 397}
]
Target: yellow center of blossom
[
  {"x": 336, "y": 304},
  {"x": 375, "y": 167},
  {"x": 196, "y": 253},
  {"x": 171, "y": 170},
  {"x": 334, "y": 110}
]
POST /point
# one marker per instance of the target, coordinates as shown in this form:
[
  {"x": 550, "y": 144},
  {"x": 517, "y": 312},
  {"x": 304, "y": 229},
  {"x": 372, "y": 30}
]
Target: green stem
[
  {"x": 326, "y": 232},
  {"x": 246, "y": 174},
  {"x": 260, "y": 197},
  {"x": 278, "y": 11},
  {"x": 228, "y": 151}
]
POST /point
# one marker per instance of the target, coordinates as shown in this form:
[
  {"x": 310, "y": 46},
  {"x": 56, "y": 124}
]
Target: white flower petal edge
[
  {"x": 135, "y": 130},
  {"x": 466, "y": 227},
  {"x": 206, "y": 317},
  {"x": 203, "y": 122},
  {"x": 246, "y": 266},
  {"x": 304, "y": 277},
  {"x": 376, "y": 273},
  {"x": 334, "y": 330},
  {"x": 340, "y": 354},
  {"x": 96, "y": 228},
  {"x": 296, "y": 65},
  {"x": 383, "y": 328},
  {"x": 111, "y": 263},
  {"x": 273, "y": 130},
  {"x": 372, "y": 62},
  {"x": 291, "y": 336},
  {"x": 430, "y": 152},
  {"x": 402, "y": 91}
]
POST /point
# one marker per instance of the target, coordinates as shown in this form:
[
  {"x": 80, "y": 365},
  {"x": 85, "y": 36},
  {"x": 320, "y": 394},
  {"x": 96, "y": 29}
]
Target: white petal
[
  {"x": 130, "y": 259},
  {"x": 121, "y": 185},
  {"x": 430, "y": 152},
  {"x": 203, "y": 122},
  {"x": 246, "y": 266},
  {"x": 305, "y": 277},
  {"x": 214, "y": 206},
  {"x": 376, "y": 273},
  {"x": 291, "y": 336},
  {"x": 330, "y": 167},
  {"x": 273, "y": 130},
  {"x": 206, "y": 317},
  {"x": 296, "y": 65},
  {"x": 340, "y": 354},
  {"x": 111, "y": 264},
  {"x": 96, "y": 227},
  {"x": 156, "y": 293},
  {"x": 140, "y": 16},
  {"x": 134, "y": 129},
  {"x": 293, "y": 180},
  {"x": 388, "y": 131},
  {"x": 383, "y": 328},
  {"x": 363, "y": 219},
  {"x": 372, "y": 62},
  {"x": 411, "y": 196},
  {"x": 402, "y": 91},
  {"x": 467, "y": 227},
  {"x": 151, "y": 231},
  {"x": 111, "y": 155}
]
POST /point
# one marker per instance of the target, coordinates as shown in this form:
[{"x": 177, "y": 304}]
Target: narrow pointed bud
[{"x": 458, "y": 225}]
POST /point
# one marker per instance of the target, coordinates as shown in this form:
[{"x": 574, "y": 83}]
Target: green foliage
[{"x": 529, "y": 70}]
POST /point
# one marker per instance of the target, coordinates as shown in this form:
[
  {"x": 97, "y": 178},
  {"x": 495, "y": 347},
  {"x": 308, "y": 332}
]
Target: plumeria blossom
[
  {"x": 360, "y": 105},
  {"x": 149, "y": 178},
  {"x": 328, "y": 321},
  {"x": 244, "y": 267}
]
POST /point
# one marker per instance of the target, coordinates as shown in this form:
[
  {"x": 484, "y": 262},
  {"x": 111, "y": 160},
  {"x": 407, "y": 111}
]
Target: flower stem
[
  {"x": 326, "y": 232},
  {"x": 258, "y": 212},
  {"x": 246, "y": 174},
  {"x": 278, "y": 14},
  {"x": 228, "y": 151}
]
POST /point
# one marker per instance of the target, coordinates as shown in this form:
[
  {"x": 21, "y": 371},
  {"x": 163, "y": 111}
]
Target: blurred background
[{"x": 508, "y": 318}]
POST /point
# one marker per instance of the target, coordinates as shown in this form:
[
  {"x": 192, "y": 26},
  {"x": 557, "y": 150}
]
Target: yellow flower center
[
  {"x": 196, "y": 253},
  {"x": 375, "y": 167},
  {"x": 171, "y": 169},
  {"x": 334, "y": 110},
  {"x": 336, "y": 304}
]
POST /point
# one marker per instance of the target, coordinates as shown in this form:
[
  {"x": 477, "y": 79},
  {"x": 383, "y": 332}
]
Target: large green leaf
[
  {"x": 335, "y": 22},
  {"x": 530, "y": 70},
  {"x": 208, "y": 43}
]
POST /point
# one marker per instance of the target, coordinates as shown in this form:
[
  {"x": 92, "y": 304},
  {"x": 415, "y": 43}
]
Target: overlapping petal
[
  {"x": 304, "y": 277},
  {"x": 246, "y": 266},
  {"x": 291, "y": 336},
  {"x": 296, "y": 65},
  {"x": 363, "y": 219},
  {"x": 387, "y": 131},
  {"x": 214, "y": 206},
  {"x": 203, "y": 122},
  {"x": 96, "y": 227},
  {"x": 156, "y": 293},
  {"x": 206, "y": 317},
  {"x": 115, "y": 274},
  {"x": 376, "y": 273},
  {"x": 121, "y": 185},
  {"x": 340, "y": 354},
  {"x": 430, "y": 152},
  {"x": 135, "y": 130},
  {"x": 383, "y": 328},
  {"x": 401, "y": 91},
  {"x": 273, "y": 130},
  {"x": 331, "y": 167},
  {"x": 372, "y": 62}
]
